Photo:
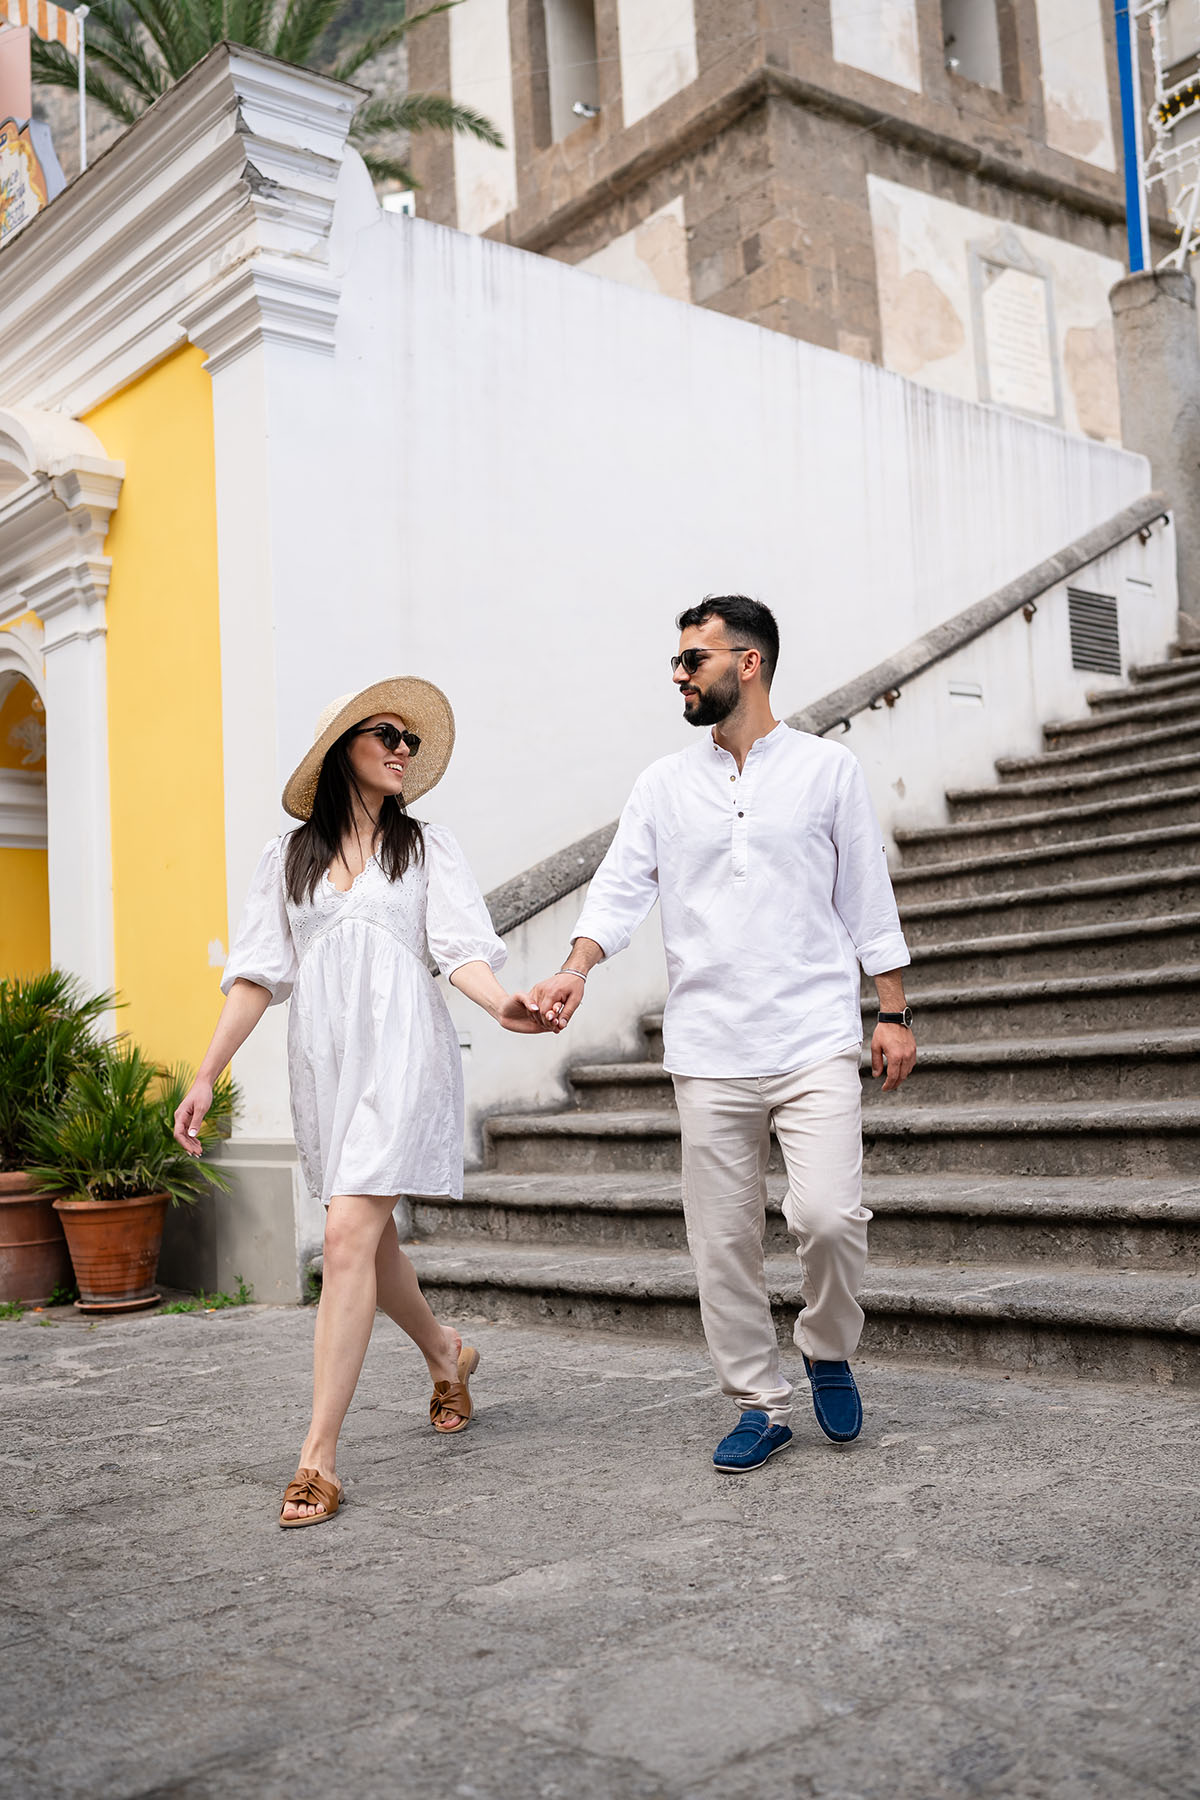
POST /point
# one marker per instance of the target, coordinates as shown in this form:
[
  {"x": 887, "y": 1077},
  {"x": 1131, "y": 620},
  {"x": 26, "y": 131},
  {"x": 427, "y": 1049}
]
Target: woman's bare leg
[
  {"x": 400, "y": 1297},
  {"x": 353, "y": 1226}
]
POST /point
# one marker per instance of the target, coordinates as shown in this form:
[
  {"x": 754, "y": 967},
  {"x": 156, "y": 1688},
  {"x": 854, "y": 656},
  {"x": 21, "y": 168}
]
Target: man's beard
[{"x": 717, "y": 704}]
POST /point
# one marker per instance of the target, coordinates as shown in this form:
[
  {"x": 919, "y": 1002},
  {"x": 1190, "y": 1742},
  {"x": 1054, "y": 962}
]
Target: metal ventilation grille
[{"x": 1095, "y": 634}]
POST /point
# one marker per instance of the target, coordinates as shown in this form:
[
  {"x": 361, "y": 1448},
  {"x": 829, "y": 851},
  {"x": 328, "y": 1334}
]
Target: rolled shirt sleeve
[
  {"x": 262, "y": 950},
  {"x": 457, "y": 922},
  {"x": 862, "y": 892},
  {"x": 625, "y": 886}
]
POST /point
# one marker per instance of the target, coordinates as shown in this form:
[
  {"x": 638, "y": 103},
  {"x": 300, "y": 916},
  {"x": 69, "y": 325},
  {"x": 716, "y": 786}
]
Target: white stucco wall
[
  {"x": 1075, "y": 80},
  {"x": 485, "y": 178},
  {"x": 879, "y": 36},
  {"x": 927, "y": 252},
  {"x": 522, "y": 472},
  {"x": 657, "y": 40},
  {"x": 652, "y": 256},
  {"x": 514, "y": 474}
]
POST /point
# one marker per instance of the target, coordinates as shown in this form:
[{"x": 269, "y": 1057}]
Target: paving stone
[{"x": 975, "y": 1599}]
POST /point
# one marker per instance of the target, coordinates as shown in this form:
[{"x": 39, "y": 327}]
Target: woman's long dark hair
[{"x": 315, "y": 846}]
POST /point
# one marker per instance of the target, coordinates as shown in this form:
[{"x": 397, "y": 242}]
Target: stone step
[
  {"x": 1162, "y": 999},
  {"x": 1013, "y": 798},
  {"x": 1129, "y": 943},
  {"x": 1172, "y": 681},
  {"x": 1179, "y": 658},
  {"x": 1141, "y": 746},
  {"x": 1100, "y": 1223},
  {"x": 1111, "y": 1326},
  {"x": 1051, "y": 825},
  {"x": 1127, "y": 1066},
  {"x": 1105, "y": 900},
  {"x": 1149, "y": 1138},
  {"x": 1002, "y": 869},
  {"x": 1130, "y": 721},
  {"x": 1108, "y": 1000}
]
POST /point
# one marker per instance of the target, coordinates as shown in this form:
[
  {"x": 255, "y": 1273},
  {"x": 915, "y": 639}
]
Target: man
[{"x": 762, "y": 847}]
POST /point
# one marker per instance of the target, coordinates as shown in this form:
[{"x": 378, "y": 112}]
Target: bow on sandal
[
  {"x": 307, "y": 1488},
  {"x": 451, "y": 1398}
]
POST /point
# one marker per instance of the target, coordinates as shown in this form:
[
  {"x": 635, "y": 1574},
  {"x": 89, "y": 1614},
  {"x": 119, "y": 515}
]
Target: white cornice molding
[
  {"x": 22, "y": 810},
  {"x": 237, "y": 164},
  {"x": 52, "y": 534},
  {"x": 266, "y": 300}
]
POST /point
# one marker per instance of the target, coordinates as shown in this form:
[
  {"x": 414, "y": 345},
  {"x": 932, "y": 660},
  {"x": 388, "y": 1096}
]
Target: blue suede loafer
[
  {"x": 750, "y": 1443},
  {"x": 835, "y": 1400}
]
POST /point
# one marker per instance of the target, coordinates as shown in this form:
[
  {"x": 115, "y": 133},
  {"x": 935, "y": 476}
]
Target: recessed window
[
  {"x": 571, "y": 57},
  {"x": 971, "y": 31}
]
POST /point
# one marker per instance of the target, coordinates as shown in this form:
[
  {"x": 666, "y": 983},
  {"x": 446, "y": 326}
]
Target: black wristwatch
[{"x": 904, "y": 1018}]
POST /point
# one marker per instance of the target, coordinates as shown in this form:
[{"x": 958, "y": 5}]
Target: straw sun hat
[{"x": 424, "y": 709}]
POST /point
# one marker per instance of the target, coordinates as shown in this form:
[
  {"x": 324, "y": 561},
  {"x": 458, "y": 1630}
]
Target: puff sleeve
[
  {"x": 262, "y": 950},
  {"x": 457, "y": 922}
]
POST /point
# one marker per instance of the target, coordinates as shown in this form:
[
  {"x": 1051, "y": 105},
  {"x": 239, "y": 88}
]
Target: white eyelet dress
[{"x": 373, "y": 1058}]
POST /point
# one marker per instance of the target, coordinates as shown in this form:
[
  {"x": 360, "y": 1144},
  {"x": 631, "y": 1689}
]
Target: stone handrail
[{"x": 527, "y": 894}]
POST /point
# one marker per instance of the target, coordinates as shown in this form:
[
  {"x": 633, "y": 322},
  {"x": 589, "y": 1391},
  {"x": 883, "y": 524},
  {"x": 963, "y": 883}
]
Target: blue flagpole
[{"x": 1136, "y": 221}]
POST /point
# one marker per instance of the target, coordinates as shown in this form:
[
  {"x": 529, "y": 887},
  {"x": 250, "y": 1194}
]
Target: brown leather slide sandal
[
  {"x": 452, "y": 1398},
  {"x": 307, "y": 1488}
]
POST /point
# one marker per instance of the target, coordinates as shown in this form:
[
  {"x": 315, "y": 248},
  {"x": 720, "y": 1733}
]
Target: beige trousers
[{"x": 726, "y": 1139}]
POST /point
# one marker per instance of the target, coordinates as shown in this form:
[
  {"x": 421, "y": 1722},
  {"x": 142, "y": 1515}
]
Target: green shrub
[
  {"x": 47, "y": 1034},
  {"x": 110, "y": 1138}
]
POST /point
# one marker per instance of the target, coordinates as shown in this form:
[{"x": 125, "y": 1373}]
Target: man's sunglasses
[
  {"x": 690, "y": 660},
  {"x": 390, "y": 738}
]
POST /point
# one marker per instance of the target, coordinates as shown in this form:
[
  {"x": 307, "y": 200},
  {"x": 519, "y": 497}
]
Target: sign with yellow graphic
[{"x": 22, "y": 183}]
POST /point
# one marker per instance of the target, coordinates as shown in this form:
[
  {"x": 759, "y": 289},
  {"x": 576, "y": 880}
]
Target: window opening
[
  {"x": 971, "y": 33},
  {"x": 571, "y": 56}
]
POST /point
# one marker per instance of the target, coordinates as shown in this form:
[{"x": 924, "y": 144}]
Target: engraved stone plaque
[{"x": 1016, "y": 348}]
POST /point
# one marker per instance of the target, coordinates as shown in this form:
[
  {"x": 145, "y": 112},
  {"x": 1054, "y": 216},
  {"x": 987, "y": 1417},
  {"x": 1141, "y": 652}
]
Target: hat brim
[{"x": 424, "y": 709}]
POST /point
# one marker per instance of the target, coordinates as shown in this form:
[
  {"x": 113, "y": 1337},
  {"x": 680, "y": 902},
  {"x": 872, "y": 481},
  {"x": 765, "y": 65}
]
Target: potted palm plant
[
  {"x": 47, "y": 1033},
  {"x": 107, "y": 1156}
]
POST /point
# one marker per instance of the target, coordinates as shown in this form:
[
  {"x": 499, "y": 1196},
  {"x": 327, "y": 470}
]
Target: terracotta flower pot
[
  {"x": 114, "y": 1248},
  {"x": 33, "y": 1251}
]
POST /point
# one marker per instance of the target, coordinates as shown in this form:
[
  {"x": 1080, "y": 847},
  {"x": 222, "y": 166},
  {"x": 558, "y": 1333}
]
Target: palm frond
[
  {"x": 422, "y": 112},
  {"x": 52, "y": 66},
  {"x": 248, "y": 22},
  {"x": 302, "y": 27},
  {"x": 388, "y": 168},
  {"x": 370, "y": 47},
  {"x": 131, "y": 36}
]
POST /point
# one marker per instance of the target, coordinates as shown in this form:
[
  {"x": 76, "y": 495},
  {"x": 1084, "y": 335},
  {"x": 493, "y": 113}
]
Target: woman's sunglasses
[{"x": 390, "y": 738}]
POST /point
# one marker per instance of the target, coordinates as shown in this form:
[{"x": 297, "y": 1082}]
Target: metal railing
[{"x": 525, "y": 895}]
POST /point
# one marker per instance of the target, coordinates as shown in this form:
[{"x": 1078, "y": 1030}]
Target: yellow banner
[{"x": 53, "y": 23}]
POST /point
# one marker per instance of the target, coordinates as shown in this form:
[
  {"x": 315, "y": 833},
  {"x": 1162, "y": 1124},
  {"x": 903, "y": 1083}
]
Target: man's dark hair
[{"x": 746, "y": 622}]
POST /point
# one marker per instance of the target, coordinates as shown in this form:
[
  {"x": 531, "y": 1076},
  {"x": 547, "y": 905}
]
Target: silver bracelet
[{"x": 578, "y": 972}]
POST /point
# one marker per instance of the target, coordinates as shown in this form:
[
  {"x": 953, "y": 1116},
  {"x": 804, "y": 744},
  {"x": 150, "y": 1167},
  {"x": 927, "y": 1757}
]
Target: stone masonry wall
[{"x": 771, "y": 147}]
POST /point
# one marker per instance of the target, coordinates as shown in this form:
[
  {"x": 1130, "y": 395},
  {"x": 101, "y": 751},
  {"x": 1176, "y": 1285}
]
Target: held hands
[
  {"x": 896, "y": 1047},
  {"x": 555, "y": 1000},
  {"x": 191, "y": 1115},
  {"x": 517, "y": 1012}
]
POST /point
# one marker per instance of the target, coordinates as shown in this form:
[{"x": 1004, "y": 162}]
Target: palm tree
[{"x": 136, "y": 49}]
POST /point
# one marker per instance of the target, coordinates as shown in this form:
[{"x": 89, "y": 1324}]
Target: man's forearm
[
  {"x": 890, "y": 989},
  {"x": 583, "y": 955}
]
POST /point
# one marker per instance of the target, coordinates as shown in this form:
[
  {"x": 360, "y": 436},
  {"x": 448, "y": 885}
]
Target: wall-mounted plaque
[
  {"x": 23, "y": 189},
  {"x": 1016, "y": 347}
]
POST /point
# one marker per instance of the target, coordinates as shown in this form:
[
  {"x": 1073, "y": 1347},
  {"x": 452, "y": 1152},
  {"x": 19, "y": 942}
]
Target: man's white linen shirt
[{"x": 774, "y": 888}]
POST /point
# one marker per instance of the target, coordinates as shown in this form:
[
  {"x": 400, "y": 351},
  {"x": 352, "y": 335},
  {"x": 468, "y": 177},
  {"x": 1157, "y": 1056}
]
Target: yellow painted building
[{"x": 166, "y": 781}]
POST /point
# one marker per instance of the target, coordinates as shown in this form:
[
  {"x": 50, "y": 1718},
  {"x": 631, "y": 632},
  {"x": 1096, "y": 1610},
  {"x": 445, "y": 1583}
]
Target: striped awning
[{"x": 54, "y": 23}]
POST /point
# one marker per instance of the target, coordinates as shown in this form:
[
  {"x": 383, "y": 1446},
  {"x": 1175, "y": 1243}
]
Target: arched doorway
[{"x": 24, "y": 879}]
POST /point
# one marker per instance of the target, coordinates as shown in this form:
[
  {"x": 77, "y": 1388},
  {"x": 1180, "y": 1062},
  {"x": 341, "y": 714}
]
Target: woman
[{"x": 338, "y": 917}]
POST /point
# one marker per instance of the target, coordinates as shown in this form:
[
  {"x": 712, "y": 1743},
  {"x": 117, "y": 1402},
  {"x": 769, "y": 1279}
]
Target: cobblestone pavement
[{"x": 993, "y": 1594}]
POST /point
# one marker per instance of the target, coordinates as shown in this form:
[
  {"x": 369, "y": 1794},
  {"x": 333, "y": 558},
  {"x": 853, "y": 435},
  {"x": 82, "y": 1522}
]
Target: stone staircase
[{"x": 1035, "y": 1184}]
